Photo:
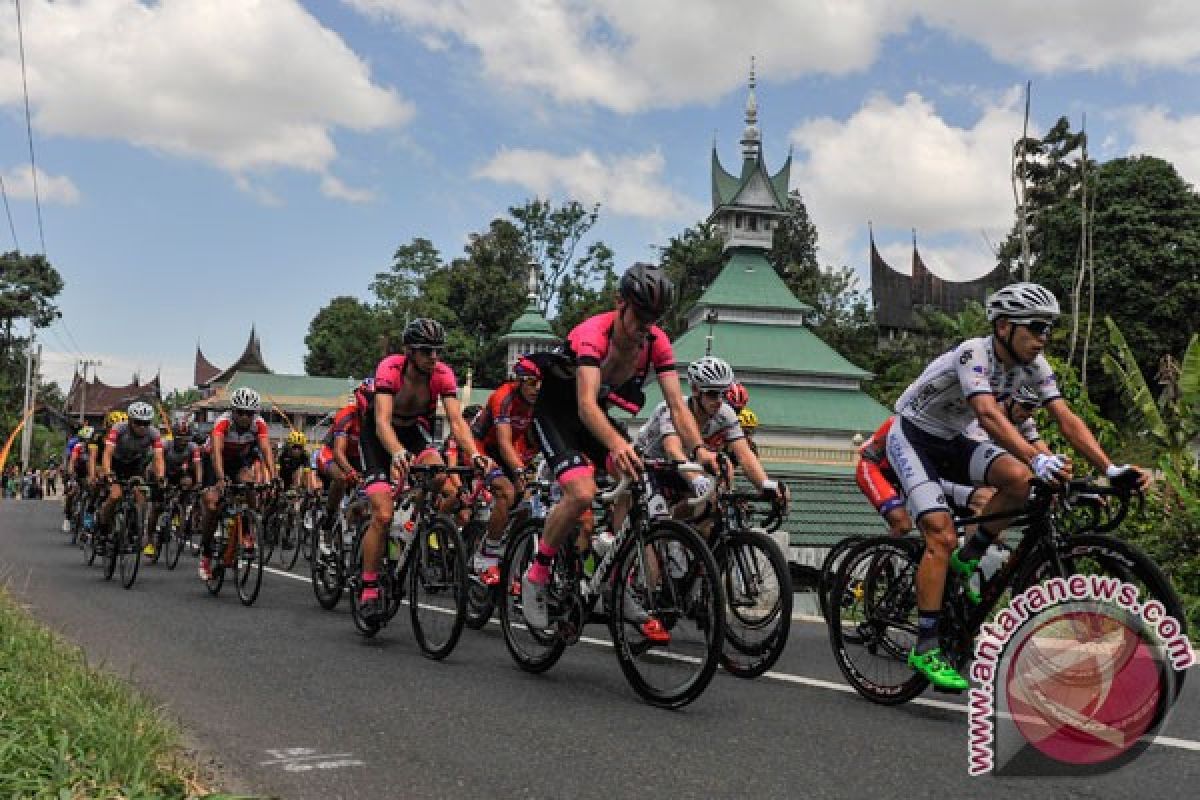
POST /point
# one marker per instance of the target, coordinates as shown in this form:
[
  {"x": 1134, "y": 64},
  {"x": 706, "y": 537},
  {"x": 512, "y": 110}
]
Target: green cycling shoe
[
  {"x": 934, "y": 666},
  {"x": 965, "y": 570}
]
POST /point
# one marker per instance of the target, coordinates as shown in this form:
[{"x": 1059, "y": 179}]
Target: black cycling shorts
[
  {"x": 377, "y": 461},
  {"x": 561, "y": 435}
]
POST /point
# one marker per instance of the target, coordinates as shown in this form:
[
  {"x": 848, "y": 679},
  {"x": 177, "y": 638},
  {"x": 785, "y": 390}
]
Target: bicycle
[
  {"x": 86, "y": 510},
  {"x": 236, "y": 543},
  {"x": 124, "y": 546},
  {"x": 757, "y": 583},
  {"x": 281, "y": 525},
  {"x": 333, "y": 550},
  {"x": 483, "y": 587},
  {"x": 654, "y": 565},
  {"x": 873, "y": 598},
  {"x": 175, "y": 525},
  {"x": 430, "y": 557}
]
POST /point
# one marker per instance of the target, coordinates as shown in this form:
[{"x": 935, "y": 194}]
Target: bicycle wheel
[
  {"x": 288, "y": 548},
  {"x": 366, "y": 627},
  {"x": 114, "y": 542},
  {"x": 130, "y": 554},
  {"x": 758, "y": 603},
  {"x": 88, "y": 541},
  {"x": 309, "y": 518},
  {"x": 177, "y": 540},
  {"x": 534, "y": 650},
  {"x": 668, "y": 574},
  {"x": 480, "y": 603},
  {"x": 437, "y": 584},
  {"x": 249, "y": 564},
  {"x": 1107, "y": 556},
  {"x": 270, "y": 534},
  {"x": 829, "y": 568},
  {"x": 327, "y": 571},
  {"x": 873, "y": 618},
  {"x": 76, "y": 521}
]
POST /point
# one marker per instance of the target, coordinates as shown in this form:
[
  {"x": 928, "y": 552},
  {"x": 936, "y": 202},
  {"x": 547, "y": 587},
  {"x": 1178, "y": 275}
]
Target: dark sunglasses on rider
[
  {"x": 242, "y": 412},
  {"x": 1039, "y": 327},
  {"x": 712, "y": 394},
  {"x": 140, "y": 423},
  {"x": 427, "y": 350},
  {"x": 531, "y": 381}
]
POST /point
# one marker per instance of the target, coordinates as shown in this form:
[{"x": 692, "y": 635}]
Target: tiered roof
[{"x": 99, "y": 398}]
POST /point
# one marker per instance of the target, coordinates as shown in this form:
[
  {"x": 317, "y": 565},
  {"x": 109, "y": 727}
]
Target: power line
[
  {"x": 37, "y": 201},
  {"x": 8, "y": 211}
]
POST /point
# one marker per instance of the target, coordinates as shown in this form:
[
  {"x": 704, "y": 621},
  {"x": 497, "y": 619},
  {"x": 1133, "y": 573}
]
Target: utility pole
[
  {"x": 84, "y": 363},
  {"x": 31, "y": 377}
]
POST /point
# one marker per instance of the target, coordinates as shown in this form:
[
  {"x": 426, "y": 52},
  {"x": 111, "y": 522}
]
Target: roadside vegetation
[{"x": 70, "y": 731}]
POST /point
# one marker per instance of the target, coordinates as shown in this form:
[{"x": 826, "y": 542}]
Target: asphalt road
[{"x": 296, "y": 704}]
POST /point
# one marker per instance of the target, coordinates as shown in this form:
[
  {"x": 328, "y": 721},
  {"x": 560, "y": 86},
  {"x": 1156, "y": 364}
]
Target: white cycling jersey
[
  {"x": 936, "y": 402},
  {"x": 721, "y": 429},
  {"x": 1028, "y": 430}
]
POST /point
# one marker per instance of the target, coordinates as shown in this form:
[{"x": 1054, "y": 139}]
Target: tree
[
  {"x": 577, "y": 302},
  {"x": 551, "y": 238},
  {"x": 181, "y": 398},
  {"x": 343, "y": 340},
  {"x": 793, "y": 251},
  {"x": 1144, "y": 241},
  {"x": 693, "y": 259},
  {"x": 28, "y": 286}
]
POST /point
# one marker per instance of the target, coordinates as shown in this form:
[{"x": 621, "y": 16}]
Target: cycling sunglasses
[
  {"x": 1038, "y": 327},
  {"x": 427, "y": 350},
  {"x": 712, "y": 394}
]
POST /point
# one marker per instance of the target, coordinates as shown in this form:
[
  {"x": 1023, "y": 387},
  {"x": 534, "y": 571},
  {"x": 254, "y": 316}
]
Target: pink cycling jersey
[
  {"x": 389, "y": 379},
  {"x": 590, "y": 344}
]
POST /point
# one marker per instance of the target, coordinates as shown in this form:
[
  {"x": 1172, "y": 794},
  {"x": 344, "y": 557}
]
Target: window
[
  {"x": 737, "y": 220},
  {"x": 751, "y": 222}
]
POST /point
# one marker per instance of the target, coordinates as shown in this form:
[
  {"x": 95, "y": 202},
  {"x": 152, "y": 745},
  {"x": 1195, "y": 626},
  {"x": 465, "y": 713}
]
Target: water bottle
[{"x": 603, "y": 543}]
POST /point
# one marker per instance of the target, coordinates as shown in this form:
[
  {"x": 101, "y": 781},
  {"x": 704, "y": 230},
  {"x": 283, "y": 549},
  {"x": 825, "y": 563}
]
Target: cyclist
[
  {"x": 238, "y": 441},
  {"x": 397, "y": 427},
  {"x": 128, "y": 447},
  {"x": 737, "y": 396},
  {"x": 748, "y": 421},
  {"x": 927, "y": 444},
  {"x": 500, "y": 429},
  {"x": 877, "y": 480},
  {"x": 710, "y": 379},
  {"x": 603, "y": 363},
  {"x": 76, "y": 472},
  {"x": 181, "y": 457},
  {"x": 339, "y": 459},
  {"x": 293, "y": 461}
]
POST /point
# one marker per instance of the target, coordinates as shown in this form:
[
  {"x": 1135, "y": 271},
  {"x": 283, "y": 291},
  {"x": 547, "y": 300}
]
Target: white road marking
[{"x": 817, "y": 683}]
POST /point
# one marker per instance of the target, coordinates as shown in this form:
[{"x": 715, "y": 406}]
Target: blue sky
[{"x": 205, "y": 165}]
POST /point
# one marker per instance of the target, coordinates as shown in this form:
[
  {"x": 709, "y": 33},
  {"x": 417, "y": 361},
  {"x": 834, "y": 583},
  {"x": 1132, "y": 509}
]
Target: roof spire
[
  {"x": 532, "y": 295},
  {"x": 750, "y": 136}
]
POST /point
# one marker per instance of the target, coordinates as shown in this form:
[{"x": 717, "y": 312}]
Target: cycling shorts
[
  {"x": 377, "y": 461},
  {"x": 923, "y": 461}
]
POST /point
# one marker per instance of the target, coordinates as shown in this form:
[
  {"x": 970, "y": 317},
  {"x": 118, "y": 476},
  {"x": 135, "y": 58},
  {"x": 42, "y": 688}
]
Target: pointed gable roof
[
  {"x": 97, "y": 397},
  {"x": 251, "y": 360},
  {"x": 203, "y": 370}
]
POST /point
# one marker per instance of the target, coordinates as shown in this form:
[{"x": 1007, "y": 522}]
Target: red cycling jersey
[
  {"x": 238, "y": 442},
  {"x": 346, "y": 425},
  {"x": 505, "y": 406},
  {"x": 873, "y": 473}
]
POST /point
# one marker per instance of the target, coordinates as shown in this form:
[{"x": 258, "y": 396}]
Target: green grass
[{"x": 69, "y": 731}]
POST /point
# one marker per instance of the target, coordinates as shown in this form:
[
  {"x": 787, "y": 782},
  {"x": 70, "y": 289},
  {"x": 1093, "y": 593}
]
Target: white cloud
[
  {"x": 630, "y": 55},
  {"x": 1175, "y": 139},
  {"x": 1074, "y": 35},
  {"x": 902, "y": 166},
  {"x": 245, "y": 85},
  {"x": 627, "y": 185},
  {"x": 18, "y": 182}
]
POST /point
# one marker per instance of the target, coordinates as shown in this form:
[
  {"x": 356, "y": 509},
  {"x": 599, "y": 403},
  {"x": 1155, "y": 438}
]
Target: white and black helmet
[
  {"x": 140, "y": 411},
  {"x": 1023, "y": 301},
  {"x": 710, "y": 372},
  {"x": 244, "y": 399}
]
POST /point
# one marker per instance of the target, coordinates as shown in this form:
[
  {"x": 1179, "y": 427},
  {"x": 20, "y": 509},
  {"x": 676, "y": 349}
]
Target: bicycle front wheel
[
  {"x": 249, "y": 562},
  {"x": 829, "y": 568},
  {"x": 534, "y": 650},
  {"x": 758, "y": 603},
  {"x": 873, "y": 618},
  {"x": 667, "y": 614},
  {"x": 130, "y": 553},
  {"x": 290, "y": 533},
  {"x": 437, "y": 581},
  {"x": 115, "y": 543},
  {"x": 176, "y": 541}
]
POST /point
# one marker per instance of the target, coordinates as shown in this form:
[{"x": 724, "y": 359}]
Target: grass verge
[{"x": 68, "y": 731}]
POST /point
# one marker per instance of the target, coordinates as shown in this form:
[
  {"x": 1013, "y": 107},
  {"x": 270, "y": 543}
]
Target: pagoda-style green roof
[
  {"x": 749, "y": 281},
  {"x": 530, "y": 325},
  {"x": 726, "y": 188},
  {"x": 790, "y": 349},
  {"x": 803, "y": 408},
  {"x": 290, "y": 393}
]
